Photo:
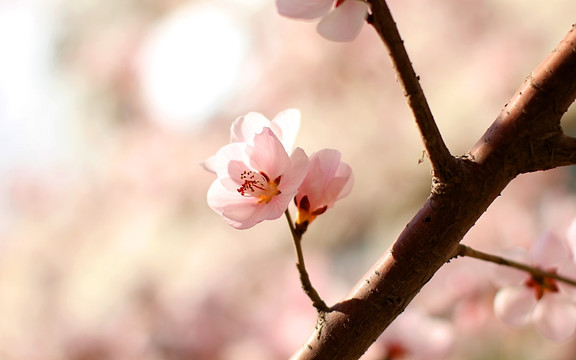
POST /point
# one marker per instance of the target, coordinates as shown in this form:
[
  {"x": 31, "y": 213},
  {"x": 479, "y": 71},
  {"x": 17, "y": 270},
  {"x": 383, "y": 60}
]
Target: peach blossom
[
  {"x": 547, "y": 303},
  {"x": 328, "y": 180},
  {"x": 256, "y": 180},
  {"x": 285, "y": 126}
]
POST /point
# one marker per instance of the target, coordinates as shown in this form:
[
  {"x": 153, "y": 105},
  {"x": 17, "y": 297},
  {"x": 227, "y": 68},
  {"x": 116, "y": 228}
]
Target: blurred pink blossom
[
  {"x": 546, "y": 302},
  {"x": 571, "y": 237},
  {"x": 341, "y": 24},
  {"x": 327, "y": 180},
  {"x": 256, "y": 180},
  {"x": 415, "y": 335}
]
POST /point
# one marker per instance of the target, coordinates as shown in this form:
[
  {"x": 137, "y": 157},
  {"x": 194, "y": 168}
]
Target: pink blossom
[
  {"x": 285, "y": 126},
  {"x": 341, "y": 24},
  {"x": 549, "y": 304},
  {"x": 256, "y": 181},
  {"x": 327, "y": 180}
]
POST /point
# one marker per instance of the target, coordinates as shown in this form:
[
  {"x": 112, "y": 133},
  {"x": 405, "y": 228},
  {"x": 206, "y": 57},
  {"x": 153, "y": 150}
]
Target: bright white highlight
[{"x": 189, "y": 65}]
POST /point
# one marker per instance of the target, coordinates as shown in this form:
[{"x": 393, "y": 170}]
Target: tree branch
[
  {"x": 531, "y": 120},
  {"x": 440, "y": 157},
  {"x": 464, "y": 250},
  {"x": 564, "y": 152},
  {"x": 521, "y": 139}
]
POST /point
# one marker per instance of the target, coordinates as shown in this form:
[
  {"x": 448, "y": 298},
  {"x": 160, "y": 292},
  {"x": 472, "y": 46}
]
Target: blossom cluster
[
  {"x": 259, "y": 174},
  {"x": 544, "y": 301}
]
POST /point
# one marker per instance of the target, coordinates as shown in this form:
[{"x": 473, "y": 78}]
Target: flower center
[
  {"x": 396, "y": 350},
  {"x": 259, "y": 185},
  {"x": 305, "y": 214},
  {"x": 542, "y": 285}
]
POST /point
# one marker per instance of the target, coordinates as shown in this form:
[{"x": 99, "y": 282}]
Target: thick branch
[
  {"x": 564, "y": 152},
  {"x": 440, "y": 157},
  {"x": 530, "y": 122},
  {"x": 520, "y": 140}
]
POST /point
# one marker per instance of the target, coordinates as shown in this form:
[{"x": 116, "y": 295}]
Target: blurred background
[{"x": 107, "y": 109}]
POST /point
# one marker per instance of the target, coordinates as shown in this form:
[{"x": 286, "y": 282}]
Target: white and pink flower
[
  {"x": 257, "y": 179},
  {"x": 328, "y": 180},
  {"x": 549, "y": 304},
  {"x": 285, "y": 126},
  {"x": 341, "y": 21}
]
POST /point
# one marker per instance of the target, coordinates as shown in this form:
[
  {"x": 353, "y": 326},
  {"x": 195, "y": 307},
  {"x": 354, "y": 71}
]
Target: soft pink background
[{"x": 107, "y": 247}]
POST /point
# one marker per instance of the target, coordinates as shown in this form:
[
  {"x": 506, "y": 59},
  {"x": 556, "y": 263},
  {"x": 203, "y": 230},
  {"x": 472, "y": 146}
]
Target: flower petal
[
  {"x": 555, "y": 317},
  {"x": 571, "y": 239},
  {"x": 219, "y": 163},
  {"x": 345, "y": 180},
  {"x": 326, "y": 180},
  {"x": 313, "y": 185},
  {"x": 514, "y": 305},
  {"x": 323, "y": 167},
  {"x": 246, "y": 127},
  {"x": 344, "y": 22},
  {"x": 295, "y": 173},
  {"x": 504, "y": 276},
  {"x": 246, "y": 215},
  {"x": 568, "y": 269},
  {"x": 285, "y": 125},
  {"x": 303, "y": 9},
  {"x": 328, "y": 160},
  {"x": 288, "y": 187},
  {"x": 428, "y": 337},
  {"x": 268, "y": 154},
  {"x": 237, "y": 210},
  {"x": 210, "y": 164},
  {"x": 549, "y": 250}
]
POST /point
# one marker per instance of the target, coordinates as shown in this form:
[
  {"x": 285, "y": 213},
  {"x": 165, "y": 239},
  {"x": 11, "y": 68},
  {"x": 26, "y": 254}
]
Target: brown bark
[{"x": 525, "y": 137}]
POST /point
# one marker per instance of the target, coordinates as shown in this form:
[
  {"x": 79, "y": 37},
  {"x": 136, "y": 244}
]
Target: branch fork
[{"x": 525, "y": 137}]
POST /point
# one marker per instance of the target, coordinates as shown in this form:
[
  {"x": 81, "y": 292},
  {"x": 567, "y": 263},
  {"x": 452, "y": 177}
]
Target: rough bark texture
[{"x": 525, "y": 137}]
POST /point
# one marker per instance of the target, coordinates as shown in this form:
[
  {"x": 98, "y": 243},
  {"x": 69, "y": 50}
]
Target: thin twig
[
  {"x": 464, "y": 250},
  {"x": 438, "y": 153},
  {"x": 317, "y": 301}
]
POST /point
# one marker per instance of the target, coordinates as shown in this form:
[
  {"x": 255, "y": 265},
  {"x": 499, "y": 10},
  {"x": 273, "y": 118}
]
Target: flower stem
[
  {"x": 464, "y": 250},
  {"x": 317, "y": 301}
]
